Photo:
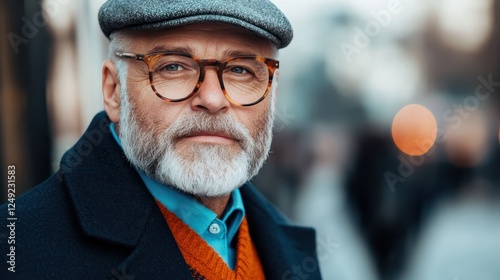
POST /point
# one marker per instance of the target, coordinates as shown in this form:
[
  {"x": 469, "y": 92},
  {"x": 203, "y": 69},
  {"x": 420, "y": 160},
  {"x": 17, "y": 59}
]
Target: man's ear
[{"x": 111, "y": 90}]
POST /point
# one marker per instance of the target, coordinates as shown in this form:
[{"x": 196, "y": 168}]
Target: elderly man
[{"x": 157, "y": 187}]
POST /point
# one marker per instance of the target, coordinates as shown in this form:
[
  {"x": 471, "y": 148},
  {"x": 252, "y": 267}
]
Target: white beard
[{"x": 203, "y": 169}]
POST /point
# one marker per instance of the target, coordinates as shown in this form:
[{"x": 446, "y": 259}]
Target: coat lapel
[
  {"x": 113, "y": 205},
  {"x": 157, "y": 255},
  {"x": 282, "y": 248}
]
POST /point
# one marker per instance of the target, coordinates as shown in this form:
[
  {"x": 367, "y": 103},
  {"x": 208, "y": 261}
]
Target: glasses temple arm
[{"x": 130, "y": 55}]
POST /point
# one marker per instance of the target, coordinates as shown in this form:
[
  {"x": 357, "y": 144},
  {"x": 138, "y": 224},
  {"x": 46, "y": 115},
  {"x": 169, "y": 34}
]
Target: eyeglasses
[{"x": 175, "y": 77}]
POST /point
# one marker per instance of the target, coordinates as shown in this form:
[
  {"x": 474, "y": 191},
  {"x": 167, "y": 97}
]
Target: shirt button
[{"x": 214, "y": 228}]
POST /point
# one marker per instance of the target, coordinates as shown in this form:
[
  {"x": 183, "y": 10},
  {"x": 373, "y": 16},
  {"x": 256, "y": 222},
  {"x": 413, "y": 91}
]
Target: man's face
[{"x": 205, "y": 145}]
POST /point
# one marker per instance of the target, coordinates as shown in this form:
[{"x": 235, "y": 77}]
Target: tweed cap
[{"x": 259, "y": 16}]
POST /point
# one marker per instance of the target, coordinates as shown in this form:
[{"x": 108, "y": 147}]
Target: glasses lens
[
  {"x": 175, "y": 76},
  {"x": 245, "y": 80}
]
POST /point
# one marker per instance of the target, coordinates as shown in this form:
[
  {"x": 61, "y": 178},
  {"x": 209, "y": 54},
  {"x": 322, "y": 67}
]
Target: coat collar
[
  {"x": 112, "y": 204},
  {"x": 109, "y": 197},
  {"x": 282, "y": 248}
]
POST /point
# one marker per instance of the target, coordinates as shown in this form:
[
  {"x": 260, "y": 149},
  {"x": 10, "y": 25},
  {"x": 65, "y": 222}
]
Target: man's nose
[{"x": 210, "y": 97}]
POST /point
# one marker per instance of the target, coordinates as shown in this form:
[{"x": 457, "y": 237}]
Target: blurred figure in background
[
  {"x": 459, "y": 240},
  {"x": 321, "y": 202}
]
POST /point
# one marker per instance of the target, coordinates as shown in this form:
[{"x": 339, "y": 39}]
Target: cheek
[
  {"x": 152, "y": 114},
  {"x": 144, "y": 108},
  {"x": 255, "y": 120}
]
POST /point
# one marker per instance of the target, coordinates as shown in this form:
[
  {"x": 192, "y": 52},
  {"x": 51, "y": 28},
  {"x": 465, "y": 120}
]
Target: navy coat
[{"x": 95, "y": 219}]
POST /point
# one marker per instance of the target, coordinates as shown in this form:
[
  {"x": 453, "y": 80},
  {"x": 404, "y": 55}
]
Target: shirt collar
[{"x": 188, "y": 209}]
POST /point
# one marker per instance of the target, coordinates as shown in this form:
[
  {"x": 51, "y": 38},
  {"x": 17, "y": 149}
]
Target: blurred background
[{"x": 386, "y": 137}]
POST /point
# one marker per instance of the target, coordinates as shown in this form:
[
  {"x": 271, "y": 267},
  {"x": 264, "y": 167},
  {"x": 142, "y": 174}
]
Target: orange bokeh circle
[{"x": 414, "y": 130}]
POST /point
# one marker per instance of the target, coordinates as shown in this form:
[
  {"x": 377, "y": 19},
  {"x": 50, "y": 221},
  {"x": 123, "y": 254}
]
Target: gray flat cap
[{"x": 259, "y": 16}]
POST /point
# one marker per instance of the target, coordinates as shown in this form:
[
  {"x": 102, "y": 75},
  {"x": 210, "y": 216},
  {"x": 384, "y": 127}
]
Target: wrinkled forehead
[{"x": 199, "y": 39}]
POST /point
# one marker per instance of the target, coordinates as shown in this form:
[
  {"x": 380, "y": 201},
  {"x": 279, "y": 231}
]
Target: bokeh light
[
  {"x": 414, "y": 130},
  {"x": 476, "y": 23}
]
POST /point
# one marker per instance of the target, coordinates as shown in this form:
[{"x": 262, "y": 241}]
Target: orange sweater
[{"x": 204, "y": 262}]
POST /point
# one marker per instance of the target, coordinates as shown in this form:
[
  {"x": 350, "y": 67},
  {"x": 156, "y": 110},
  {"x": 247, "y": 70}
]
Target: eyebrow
[
  {"x": 233, "y": 53},
  {"x": 189, "y": 50},
  {"x": 159, "y": 49}
]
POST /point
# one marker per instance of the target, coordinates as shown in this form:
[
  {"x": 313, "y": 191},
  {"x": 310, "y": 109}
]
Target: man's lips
[{"x": 210, "y": 137}]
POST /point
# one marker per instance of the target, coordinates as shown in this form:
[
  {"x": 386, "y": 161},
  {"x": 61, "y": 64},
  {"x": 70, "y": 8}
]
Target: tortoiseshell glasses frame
[{"x": 264, "y": 83}]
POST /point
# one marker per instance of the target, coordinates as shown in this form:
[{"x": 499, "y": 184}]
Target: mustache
[{"x": 193, "y": 124}]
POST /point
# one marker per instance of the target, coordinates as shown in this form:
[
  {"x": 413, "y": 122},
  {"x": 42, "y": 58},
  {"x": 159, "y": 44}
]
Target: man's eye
[
  {"x": 172, "y": 67},
  {"x": 239, "y": 70}
]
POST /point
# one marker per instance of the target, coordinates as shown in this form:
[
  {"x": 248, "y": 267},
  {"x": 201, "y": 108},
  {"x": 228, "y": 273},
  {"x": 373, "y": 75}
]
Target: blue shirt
[{"x": 218, "y": 233}]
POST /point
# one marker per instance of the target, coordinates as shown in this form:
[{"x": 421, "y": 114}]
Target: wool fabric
[
  {"x": 204, "y": 262},
  {"x": 259, "y": 16}
]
